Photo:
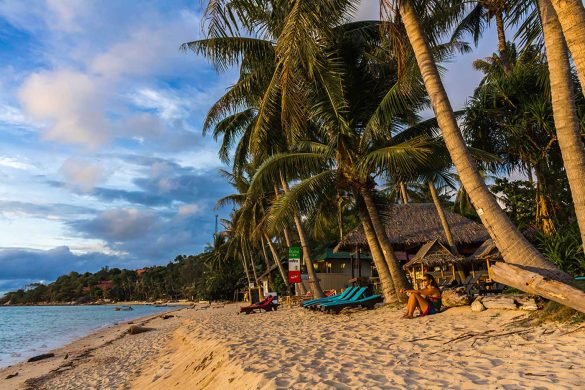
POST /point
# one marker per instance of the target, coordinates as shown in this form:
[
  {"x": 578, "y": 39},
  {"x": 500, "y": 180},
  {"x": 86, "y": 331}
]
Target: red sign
[
  {"x": 294, "y": 264},
  {"x": 294, "y": 276}
]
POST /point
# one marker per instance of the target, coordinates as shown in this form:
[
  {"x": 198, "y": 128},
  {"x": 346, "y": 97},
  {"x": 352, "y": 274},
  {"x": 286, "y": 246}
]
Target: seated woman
[{"x": 427, "y": 299}]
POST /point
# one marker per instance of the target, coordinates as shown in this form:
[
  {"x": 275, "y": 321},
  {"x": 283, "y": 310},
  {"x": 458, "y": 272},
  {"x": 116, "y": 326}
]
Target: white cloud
[
  {"x": 14, "y": 163},
  {"x": 148, "y": 49},
  {"x": 189, "y": 209},
  {"x": 66, "y": 14},
  {"x": 71, "y": 103},
  {"x": 170, "y": 107},
  {"x": 81, "y": 175}
]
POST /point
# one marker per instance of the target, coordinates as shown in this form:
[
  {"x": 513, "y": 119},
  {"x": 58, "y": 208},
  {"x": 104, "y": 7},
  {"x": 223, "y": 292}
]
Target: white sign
[{"x": 294, "y": 264}]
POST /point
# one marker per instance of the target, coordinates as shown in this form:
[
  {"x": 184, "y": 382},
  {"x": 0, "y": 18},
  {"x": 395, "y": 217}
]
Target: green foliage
[
  {"x": 564, "y": 249},
  {"x": 518, "y": 199},
  {"x": 186, "y": 277}
]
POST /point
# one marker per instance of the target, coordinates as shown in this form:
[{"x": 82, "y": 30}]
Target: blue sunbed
[
  {"x": 367, "y": 302},
  {"x": 358, "y": 294},
  {"x": 343, "y": 295}
]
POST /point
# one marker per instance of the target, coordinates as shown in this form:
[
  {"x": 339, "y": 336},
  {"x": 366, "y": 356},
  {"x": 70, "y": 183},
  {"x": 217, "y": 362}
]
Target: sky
[{"x": 102, "y": 159}]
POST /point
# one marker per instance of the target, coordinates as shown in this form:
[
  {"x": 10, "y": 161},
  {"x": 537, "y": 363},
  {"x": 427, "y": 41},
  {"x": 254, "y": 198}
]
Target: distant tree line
[{"x": 186, "y": 277}]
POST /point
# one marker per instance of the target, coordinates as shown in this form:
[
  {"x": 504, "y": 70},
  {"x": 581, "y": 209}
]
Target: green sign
[{"x": 294, "y": 252}]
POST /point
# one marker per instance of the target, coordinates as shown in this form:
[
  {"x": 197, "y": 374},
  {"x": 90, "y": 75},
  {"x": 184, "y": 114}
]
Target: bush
[{"x": 564, "y": 249}]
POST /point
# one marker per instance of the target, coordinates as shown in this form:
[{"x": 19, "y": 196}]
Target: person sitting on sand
[{"x": 427, "y": 299}]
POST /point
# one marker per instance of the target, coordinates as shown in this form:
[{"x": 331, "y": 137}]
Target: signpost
[{"x": 294, "y": 264}]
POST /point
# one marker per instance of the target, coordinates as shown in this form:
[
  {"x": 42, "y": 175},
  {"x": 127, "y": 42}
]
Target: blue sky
[{"x": 102, "y": 161}]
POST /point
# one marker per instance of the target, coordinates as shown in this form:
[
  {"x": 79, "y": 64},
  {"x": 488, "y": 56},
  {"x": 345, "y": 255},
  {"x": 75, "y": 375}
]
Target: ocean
[{"x": 26, "y": 331}]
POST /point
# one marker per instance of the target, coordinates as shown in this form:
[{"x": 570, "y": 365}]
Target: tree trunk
[
  {"x": 313, "y": 281},
  {"x": 511, "y": 243},
  {"x": 267, "y": 262},
  {"x": 244, "y": 263},
  {"x": 398, "y": 274},
  {"x": 565, "y": 114},
  {"x": 285, "y": 231},
  {"x": 388, "y": 288},
  {"x": 571, "y": 15},
  {"x": 253, "y": 268},
  {"x": 502, "y": 43},
  {"x": 544, "y": 217},
  {"x": 443, "y": 219},
  {"x": 534, "y": 283},
  {"x": 276, "y": 260},
  {"x": 403, "y": 193}
]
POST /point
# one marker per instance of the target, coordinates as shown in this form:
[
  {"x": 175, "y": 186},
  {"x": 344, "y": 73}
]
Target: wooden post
[
  {"x": 534, "y": 283},
  {"x": 472, "y": 270}
]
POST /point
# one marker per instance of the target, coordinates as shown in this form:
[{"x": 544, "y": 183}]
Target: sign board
[
  {"x": 294, "y": 264},
  {"x": 252, "y": 285}
]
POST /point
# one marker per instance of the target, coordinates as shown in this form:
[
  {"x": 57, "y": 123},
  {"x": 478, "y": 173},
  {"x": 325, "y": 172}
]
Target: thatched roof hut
[
  {"x": 486, "y": 252},
  {"x": 414, "y": 224},
  {"x": 433, "y": 254}
]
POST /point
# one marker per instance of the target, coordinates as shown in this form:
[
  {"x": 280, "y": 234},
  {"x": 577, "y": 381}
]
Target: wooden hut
[
  {"x": 410, "y": 226},
  {"x": 484, "y": 256},
  {"x": 434, "y": 258}
]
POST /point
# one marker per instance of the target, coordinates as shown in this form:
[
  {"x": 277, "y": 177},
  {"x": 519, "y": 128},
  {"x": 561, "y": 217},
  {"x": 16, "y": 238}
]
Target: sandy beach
[{"x": 216, "y": 348}]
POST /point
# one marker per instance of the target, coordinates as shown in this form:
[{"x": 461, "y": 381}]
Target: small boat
[{"x": 124, "y": 308}]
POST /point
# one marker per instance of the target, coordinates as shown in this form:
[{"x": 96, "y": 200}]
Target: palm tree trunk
[
  {"x": 253, "y": 268},
  {"x": 285, "y": 231},
  {"x": 403, "y": 193},
  {"x": 571, "y": 15},
  {"x": 511, "y": 243},
  {"x": 544, "y": 217},
  {"x": 267, "y": 262},
  {"x": 565, "y": 114},
  {"x": 502, "y": 43},
  {"x": 398, "y": 274},
  {"x": 244, "y": 263},
  {"x": 388, "y": 289},
  {"x": 443, "y": 219},
  {"x": 276, "y": 260},
  {"x": 313, "y": 281}
]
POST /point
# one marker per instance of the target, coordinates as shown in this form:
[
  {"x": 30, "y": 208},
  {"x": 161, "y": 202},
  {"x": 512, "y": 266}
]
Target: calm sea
[{"x": 31, "y": 330}]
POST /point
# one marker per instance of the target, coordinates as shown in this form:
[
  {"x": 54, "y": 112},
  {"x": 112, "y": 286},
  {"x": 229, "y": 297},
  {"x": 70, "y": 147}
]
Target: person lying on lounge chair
[{"x": 427, "y": 299}]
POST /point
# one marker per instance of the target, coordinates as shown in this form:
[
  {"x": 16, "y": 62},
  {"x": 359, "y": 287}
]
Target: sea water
[{"x": 26, "y": 331}]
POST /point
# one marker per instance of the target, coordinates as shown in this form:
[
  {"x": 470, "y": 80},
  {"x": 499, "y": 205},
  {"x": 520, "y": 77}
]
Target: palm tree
[
  {"x": 478, "y": 18},
  {"x": 511, "y": 243},
  {"x": 571, "y": 16},
  {"x": 567, "y": 122},
  {"x": 252, "y": 42}
]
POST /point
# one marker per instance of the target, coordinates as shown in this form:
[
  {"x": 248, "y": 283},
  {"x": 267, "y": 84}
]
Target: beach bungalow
[
  {"x": 434, "y": 258},
  {"x": 336, "y": 270},
  {"x": 410, "y": 226}
]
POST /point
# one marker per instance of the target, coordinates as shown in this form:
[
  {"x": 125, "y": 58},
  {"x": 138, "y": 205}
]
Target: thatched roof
[
  {"x": 486, "y": 251},
  {"x": 433, "y": 254},
  {"x": 414, "y": 224}
]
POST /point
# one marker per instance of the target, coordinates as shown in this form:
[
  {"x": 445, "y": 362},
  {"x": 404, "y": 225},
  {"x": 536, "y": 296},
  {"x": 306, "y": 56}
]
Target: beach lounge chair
[
  {"x": 267, "y": 305},
  {"x": 367, "y": 302},
  {"x": 357, "y": 294},
  {"x": 343, "y": 295}
]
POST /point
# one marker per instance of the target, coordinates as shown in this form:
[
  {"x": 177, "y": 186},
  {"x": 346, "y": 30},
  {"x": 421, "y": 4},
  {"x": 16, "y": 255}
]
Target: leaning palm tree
[{"x": 512, "y": 244}]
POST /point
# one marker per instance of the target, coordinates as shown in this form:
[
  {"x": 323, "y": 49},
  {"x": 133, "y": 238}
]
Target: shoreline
[
  {"x": 71, "y": 351},
  {"x": 212, "y": 346},
  {"x": 124, "y": 303}
]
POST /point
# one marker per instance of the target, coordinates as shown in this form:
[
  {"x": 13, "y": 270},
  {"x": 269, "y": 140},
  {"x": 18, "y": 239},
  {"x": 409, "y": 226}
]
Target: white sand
[{"x": 294, "y": 348}]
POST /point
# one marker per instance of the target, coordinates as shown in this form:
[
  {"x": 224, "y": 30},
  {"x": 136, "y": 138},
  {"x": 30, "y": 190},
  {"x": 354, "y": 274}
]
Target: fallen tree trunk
[{"x": 534, "y": 283}]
